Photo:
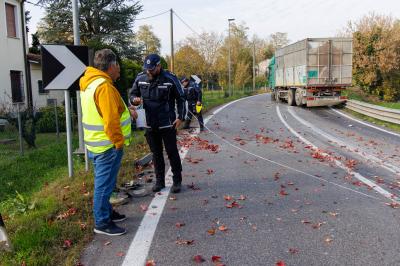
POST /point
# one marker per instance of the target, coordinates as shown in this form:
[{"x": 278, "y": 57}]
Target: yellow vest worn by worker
[{"x": 96, "y": 139}]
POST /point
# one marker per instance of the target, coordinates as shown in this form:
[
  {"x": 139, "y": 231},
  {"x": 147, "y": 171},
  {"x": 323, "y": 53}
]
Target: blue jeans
[{"x": 106, "y": 167}]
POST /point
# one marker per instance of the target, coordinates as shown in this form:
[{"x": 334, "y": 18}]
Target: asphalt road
[{"x": 269, "y": 184}]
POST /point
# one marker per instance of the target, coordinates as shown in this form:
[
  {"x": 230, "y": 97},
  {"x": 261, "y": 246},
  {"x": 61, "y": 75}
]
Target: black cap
[{"x": 151, "y": 61}]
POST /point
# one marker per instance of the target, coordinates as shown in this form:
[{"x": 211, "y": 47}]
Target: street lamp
[{"x": 229, "y": 55}]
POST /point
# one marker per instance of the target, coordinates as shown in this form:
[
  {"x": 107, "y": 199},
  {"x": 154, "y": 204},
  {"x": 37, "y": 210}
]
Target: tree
[
  {"x": 376, "y": 55},
  {"x": 278, "y": 40},
  {"x": 207, "y": 45},
  {"x": 34, "y": 49},
  {"x": 241, "y": 57},
  {"x": 109, "y": 22},
  {"x": 148, "y": 40},
  {"x": 188, "y": 61},
  {"x": 27, "y": 20}
]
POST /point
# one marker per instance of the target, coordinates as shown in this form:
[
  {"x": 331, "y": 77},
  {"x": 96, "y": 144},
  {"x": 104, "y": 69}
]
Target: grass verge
[
  {"x": 50, "y": 221},
  {"x": 388, "y": 125}
]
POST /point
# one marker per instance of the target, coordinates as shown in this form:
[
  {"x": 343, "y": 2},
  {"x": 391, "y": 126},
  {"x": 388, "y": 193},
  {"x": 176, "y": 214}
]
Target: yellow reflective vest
[{"x": 96, "y": 139}]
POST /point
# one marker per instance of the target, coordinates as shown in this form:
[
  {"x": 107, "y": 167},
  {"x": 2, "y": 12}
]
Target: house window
[
  {"x": 17, "y": 86},
  {"x": 11, "y": 20},
  {"x": 41, "y": 89},
  {"x": 51, "y": 102}
]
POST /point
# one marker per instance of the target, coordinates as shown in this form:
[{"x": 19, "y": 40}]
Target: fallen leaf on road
[
  {"x": 184, "y": 242},
  {"x": 198, "y": 259},
  {"x": 328, "y": 239},
  {"x": 211, "y": 231},
  {"x": 179, "y": 225},
  {"x": 216, "y": 259},
  {"x": 107, "y": 243},
  {"x": 172, "y": 198},
  {"x": 317, "y": 225},
  {"x": 223, "y": 228},
  {"x": 276, "y": 176},
  {"x": 394, "y": 205},
  {"x": 228, "y": 198},
  {"x": 280, "y": 263},
  {"x": 283, "y": 193},
  {"x": 210, "y": 171},
  {"x": 144, "y": 207},
  {"x": 293, "y": 250},
  {"x": 150, "y": 263},
  {"x": 305, "y": 221},
  {"x": 120, "y": 254},
  {"x": 242, "y": 197}
]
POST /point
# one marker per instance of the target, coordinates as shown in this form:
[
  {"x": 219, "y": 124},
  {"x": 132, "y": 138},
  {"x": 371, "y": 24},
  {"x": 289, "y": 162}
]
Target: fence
[{"x": 375, "y": 111}]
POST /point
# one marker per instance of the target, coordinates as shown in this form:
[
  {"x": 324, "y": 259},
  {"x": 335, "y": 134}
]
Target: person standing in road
[
  {"x": 106, "y": 124},
  {"x": 159, "y": 90},
  {"x": 193, "y": 97}
]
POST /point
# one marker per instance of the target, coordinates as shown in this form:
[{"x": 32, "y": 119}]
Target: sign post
[{"x": 62, "y": 66}]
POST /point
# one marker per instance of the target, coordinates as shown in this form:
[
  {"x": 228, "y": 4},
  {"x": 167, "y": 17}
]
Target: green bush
[{"x": 46, "y": 122}]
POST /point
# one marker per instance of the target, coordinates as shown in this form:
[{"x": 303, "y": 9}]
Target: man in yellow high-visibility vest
[{"x": 106, "y": 124}]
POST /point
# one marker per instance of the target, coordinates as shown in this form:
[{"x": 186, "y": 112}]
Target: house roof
[{"x": 34, "y": 58}]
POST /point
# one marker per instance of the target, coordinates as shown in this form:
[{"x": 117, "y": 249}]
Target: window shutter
[{"x": 11, "y": 22}]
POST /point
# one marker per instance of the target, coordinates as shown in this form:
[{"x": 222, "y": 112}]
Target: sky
[{"x": 299, "y": 18}]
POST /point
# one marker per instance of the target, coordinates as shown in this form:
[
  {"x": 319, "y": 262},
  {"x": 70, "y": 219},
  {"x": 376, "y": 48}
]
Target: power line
[
  {"x": 156, "y": 15},
  {"x": 187, "y": 25}
]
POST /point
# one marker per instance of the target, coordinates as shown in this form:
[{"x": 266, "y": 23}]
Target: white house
[
  {"x": 12, "y": 54},
  {"x": 20, "y": 74},
  {"x": 40, "y": 96},
  {"x": 263, "y": 67}
]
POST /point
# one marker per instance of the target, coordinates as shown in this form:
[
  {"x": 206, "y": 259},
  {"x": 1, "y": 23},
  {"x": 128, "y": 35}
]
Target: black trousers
[
  {"x": 167, "y": 136},
  {"x": 192, "y": 110}
]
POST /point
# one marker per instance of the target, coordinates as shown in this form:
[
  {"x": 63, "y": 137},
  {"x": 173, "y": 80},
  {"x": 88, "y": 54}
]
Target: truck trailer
[{"x": 312, "y": 72}]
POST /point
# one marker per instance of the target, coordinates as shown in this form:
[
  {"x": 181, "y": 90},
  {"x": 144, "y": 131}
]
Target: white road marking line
[
  {"x": 364, "y": 123},
  {"x": 361, "y": 178},
  {"x": 351, "y": 148},
  {"x": 140, "y": 246}
]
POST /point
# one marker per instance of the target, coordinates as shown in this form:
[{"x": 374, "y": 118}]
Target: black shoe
[
  {"x": 116, "y": 217},
  {"x": 111, "y": 230},
  {"x": 158, "y": 186},
  {"x": 176, "y": 188}
]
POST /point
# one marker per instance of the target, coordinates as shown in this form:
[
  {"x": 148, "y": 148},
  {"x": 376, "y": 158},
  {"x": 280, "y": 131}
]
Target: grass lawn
[{"x": 49, "y": 215}]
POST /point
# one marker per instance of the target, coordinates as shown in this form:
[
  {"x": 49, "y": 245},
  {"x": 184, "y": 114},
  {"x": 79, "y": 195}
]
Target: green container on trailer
[{"x": 271, "y": 73}]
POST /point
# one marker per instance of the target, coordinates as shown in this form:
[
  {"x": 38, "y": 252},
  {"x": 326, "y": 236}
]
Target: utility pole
[
  {"x": 254, "y": 66},
  {"x": 229, "y": 56},
  {"x": 172, "y": 38},
  {"x": 77, "y": 41}
]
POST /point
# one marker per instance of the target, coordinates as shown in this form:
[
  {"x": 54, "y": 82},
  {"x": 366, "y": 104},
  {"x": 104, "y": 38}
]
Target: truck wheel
[
  {"x": 298, "y": 97},
  {"x": 290, "y": 99}
]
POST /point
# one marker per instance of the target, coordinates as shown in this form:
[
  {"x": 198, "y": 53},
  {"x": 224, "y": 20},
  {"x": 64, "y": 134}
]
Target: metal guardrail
[{"x": 375, "y": 111}]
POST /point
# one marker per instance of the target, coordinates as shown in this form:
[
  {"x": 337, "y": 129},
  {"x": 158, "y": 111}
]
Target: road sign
[{"x": 63, "y": 65}]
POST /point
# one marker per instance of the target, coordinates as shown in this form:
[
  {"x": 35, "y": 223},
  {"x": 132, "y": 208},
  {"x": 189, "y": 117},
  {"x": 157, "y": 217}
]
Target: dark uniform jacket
[
  {"x": 192, "y": 93},
  {"x": 159, "y": 98}
]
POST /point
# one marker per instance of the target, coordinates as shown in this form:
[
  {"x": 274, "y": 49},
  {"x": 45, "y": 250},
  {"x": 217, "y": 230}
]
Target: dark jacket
[
  {"x": 192, "y": 93},
  {"x": 159, "y": 98}
]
